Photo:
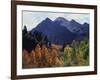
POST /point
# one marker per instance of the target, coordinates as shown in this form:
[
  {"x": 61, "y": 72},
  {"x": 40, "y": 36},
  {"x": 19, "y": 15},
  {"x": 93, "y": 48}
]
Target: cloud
[{"x": 31, "y": 19}]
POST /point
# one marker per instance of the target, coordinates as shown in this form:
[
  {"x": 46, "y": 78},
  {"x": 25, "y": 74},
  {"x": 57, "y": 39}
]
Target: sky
[{"x": 32, "y": 18}]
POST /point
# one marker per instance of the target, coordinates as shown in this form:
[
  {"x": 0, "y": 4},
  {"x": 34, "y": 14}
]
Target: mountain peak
[
  {"x": 48, "y": 19},
  {"x": 72, "y": 20},
  {"x": 85, "y": 23},
  {"x": 60, "y": 19}
]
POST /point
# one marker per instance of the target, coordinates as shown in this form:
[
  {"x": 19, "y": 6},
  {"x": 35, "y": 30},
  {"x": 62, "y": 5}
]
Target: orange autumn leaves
[
  {"x": 74, "y": 54},
  {"x": 41, "y": 57}
]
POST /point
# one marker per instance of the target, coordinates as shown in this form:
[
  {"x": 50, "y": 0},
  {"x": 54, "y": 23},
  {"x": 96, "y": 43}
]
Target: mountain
[
  {"x": 61, "y": 31},
  {"x": 57, "y": 34},
  {"x": 85, "y": 27},
  {"x": 72, "y": 25}
]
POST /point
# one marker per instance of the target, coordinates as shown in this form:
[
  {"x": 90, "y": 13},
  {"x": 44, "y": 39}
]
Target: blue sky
[{"x": 32, "y": 18}]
